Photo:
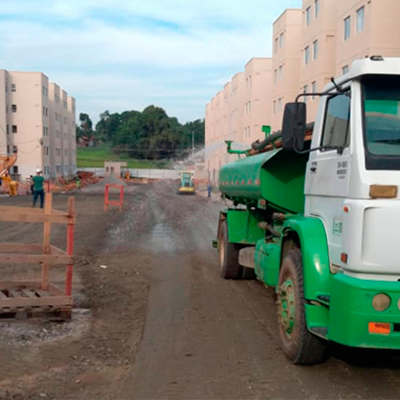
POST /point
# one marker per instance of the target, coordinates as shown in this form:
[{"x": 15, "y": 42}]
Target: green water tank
[{"x": 276, "y": 177}]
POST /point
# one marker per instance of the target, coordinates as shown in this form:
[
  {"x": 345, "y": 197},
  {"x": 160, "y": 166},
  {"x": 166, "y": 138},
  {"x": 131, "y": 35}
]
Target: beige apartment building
[
  {"x": 238, "y": 113},
  {"x": 37, "y": 119},
  {"x": 287, "y": 37},
  {"x": 309, "y": 45},
  {"x": 366, "y": 28},
  {"x": 318, "y": 48}
]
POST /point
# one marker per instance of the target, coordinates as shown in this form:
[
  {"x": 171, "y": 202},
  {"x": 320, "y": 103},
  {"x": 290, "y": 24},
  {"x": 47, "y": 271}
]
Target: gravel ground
[{"x": 158, "y": 322}]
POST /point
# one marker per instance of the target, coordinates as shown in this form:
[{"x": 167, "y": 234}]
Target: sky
[{"x": 127, "y": 54}]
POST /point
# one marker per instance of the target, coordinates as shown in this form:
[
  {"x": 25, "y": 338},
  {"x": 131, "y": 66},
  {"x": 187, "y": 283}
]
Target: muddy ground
[{"x": 159, "y": 322}]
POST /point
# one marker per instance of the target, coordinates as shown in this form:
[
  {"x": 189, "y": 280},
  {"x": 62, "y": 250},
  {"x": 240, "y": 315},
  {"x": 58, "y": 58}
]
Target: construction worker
[
  {"x": 78, "y": 185},
  {"x": 6, "y": 181},
  {"x": 209, "y": 188},
  {"x": 13, "y": 188},
  {"x": 38, "y": 189},
  {"x": 31, "y": 183}
]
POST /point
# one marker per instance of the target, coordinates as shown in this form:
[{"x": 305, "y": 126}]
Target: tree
[
  {"x": 86, "y": 124},
  {"x": 150, "y": 134}
]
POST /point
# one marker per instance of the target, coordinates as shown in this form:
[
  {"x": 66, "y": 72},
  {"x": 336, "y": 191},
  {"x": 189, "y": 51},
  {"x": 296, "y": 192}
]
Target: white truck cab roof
[{"x": 374, "y": 65}]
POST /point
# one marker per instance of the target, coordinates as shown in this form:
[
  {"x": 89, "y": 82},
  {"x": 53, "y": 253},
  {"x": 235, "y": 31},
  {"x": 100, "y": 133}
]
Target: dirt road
[{"x": 163, "y": 324}]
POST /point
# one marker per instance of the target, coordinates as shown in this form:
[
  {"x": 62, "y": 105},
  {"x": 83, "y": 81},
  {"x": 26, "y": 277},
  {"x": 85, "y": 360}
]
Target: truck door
[{"x": 327, "y": 175}]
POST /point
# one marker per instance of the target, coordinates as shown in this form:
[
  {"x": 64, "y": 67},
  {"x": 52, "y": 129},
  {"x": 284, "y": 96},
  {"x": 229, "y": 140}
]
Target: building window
[
  {"x": 314, "y": 89},
  {"x": 15, "y": 169},
  {"x": 345, "y": 69},
  {"x": 8, "y": 149},
  {"x": 308, "y": 16},
  {"x": 14, "y": 108},
  {"x": 14, "y": 129},
  {"x": 47, "y": 111},
  {"x": 360, "y": 19},
  {"x": 250, "y": 81},
  {"x": 15, "y": 150},
  {"x": 13, "y": 87},
  {"x": 315, "y": 49},
  {"x": 307, "y": 55},
  {"x": 347, "y": 28},
  {"x": 276, "y": 45},
  {"x": 249, "y": 106},
  {"x": 281, "y": 73},
  {"x": 281, "y": 40},
  {"x": 276, "y": 76},
  {"x": 8, "y": 129},
  {"x": 279, "y": 105},
  {"x": 316, "y": 3},
  {"x": 6, "y": 87},
  {"x": 274, "y": 106},
  {"x": 305, "y": 90}
]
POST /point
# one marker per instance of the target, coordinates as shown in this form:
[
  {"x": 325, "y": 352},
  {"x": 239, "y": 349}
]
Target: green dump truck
[{"x": 315, "y": 216}]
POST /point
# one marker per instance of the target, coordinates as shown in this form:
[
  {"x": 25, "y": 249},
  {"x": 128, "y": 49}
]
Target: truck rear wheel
[
  {"x": 249, "y": 274},
  {"x": 299, "y": 345},
  {"x": 228, "y": 255}
]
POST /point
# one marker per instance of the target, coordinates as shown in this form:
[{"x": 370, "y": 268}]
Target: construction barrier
[
  {"x": 108, "y": 202},
  {"x": 38, "y": 297}
]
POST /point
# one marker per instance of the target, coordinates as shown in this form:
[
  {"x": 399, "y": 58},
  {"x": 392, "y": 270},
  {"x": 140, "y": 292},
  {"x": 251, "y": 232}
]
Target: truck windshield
[{"x": 382, "y": 121}]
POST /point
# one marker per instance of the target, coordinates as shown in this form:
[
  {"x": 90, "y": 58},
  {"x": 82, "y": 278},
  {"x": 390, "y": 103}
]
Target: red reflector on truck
[
  {"x": 344, "y": 258},
  {"x": 381, "y": 328}
]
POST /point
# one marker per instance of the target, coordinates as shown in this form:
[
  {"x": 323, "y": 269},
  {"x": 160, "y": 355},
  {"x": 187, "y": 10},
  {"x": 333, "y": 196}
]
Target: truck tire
[
  {"x": 299, "y": 345},
  {"x": 228, "y": 255},
  {"x": 249, "y": 274}
]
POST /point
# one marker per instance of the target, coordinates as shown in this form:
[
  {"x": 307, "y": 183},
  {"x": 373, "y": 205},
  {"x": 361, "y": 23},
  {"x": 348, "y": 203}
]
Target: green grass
[{"x": 88, "y": 157}]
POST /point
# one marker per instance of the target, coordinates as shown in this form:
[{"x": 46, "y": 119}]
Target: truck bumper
[{"x": 352, "y": 319}]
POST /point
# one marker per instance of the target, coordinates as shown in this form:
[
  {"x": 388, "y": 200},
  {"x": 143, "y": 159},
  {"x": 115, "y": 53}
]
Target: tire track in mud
[{"x": 206, "y": 338}]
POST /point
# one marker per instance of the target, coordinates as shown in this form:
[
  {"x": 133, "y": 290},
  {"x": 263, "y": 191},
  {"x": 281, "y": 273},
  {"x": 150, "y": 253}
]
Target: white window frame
[
  {"x": 347, "y": 28},
  {"x": 307, "y": 55},
  {"x": 360, "y": 21},
  {"x": 308, "y": 16},
  {"x": 305, "y": 90},
  {"x": 282, "y": 40},
  {"x": 314, "y": 88},
  {"x": 315, "y": 49},
  {"x": 316, "y": 8}
]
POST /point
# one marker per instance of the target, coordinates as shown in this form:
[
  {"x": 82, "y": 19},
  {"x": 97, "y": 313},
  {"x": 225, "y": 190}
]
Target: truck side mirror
[{"x": 294, "y": 126}]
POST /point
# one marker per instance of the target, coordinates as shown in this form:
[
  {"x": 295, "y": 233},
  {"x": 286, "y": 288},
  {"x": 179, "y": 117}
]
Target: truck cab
[
  {"x": 355, "y": 191},
  {"x": 315, "y": 215}
]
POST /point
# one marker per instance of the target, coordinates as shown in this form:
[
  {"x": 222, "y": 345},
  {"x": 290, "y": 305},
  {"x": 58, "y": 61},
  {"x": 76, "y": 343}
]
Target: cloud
[{"x": 124, "y": 54}]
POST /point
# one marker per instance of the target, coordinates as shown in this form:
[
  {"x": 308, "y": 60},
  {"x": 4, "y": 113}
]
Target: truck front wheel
[
  {"x": 228, "y": 255},
  {"x": 299, "y": 345}
]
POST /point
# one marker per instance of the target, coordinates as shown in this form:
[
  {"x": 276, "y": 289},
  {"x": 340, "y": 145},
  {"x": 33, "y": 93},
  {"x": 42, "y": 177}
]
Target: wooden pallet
[{"x": 31, "y": 298}]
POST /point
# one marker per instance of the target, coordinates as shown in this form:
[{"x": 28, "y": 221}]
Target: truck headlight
[{"x": 381, "y": 302}]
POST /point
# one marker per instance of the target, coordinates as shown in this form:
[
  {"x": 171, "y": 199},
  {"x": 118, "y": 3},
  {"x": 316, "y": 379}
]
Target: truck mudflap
[{"x": 354, "y": 319}]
